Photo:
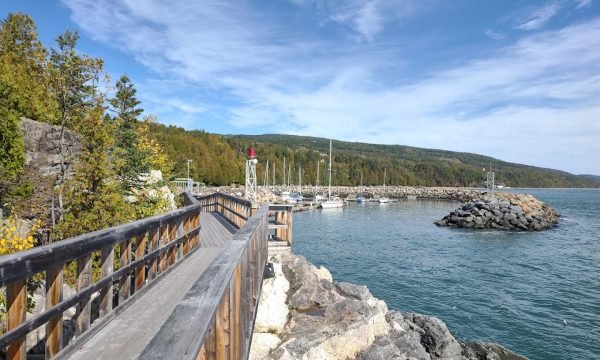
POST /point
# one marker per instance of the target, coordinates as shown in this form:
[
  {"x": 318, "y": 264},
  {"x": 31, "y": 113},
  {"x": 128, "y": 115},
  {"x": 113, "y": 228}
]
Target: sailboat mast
[
  {"x": 384, "y": 175},
  {"x": 283, "y": 171},
  {"x": 300, "y": 179},
  {"x": 267, "y": 174},
  {"x": 329, "y": 191},
  {"x": 273, "y": 185}
]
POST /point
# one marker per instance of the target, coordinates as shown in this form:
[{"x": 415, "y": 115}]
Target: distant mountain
[
  {"x": 220, "y": 160},
  {"x": 593, "y": 178}
]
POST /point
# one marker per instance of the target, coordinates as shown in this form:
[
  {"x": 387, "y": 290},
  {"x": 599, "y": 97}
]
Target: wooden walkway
[
  {"x": 131, "y": 330},
  {"x": 216, "y": 230}
]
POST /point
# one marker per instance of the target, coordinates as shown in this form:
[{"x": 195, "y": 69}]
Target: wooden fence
[
  {"x": 130, "y": 257},
  {"x": 236, "y": 210},
  {"x": 215, "y": 320}
]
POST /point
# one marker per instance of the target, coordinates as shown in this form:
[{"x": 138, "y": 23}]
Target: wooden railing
[
  {"x": 215, "y": 319},
  {"x": 281, "y": 223},
  {"x": 236, "y": 210},
  {"x": 131, "y": 257}
]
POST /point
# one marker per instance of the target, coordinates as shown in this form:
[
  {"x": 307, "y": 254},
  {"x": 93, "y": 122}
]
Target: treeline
[
  {"x": 405, "y": 165},
  {"x": 101, "y": 185}
]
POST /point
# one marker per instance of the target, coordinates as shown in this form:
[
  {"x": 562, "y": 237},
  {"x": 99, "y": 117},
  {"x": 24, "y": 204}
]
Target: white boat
[
  {"x": 332, "y": 202},
  {"x": 384, "y": 199}
]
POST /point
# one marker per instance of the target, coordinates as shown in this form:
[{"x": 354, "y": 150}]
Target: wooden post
[
  {"x": 140, "y": 271},
  {"x": 124, "y": 281},
  {"x": 171, "y": 256},
  {"x": 290, "y": 222},
  {"x": 84, "y": 308},
  {"x": 54, "y": 295},
  {"x": 164, "y": 239},
  {"x": 236, "y": 320},
  {"x": 223, "y": 328},
  {"x": 16, "y": 303},
  {"x": 153, "y": 267},
  {"x": 106, "y": 293}
]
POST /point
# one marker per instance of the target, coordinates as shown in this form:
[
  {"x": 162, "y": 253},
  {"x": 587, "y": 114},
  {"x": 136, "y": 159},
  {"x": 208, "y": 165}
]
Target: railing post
[
  {"x": 140, "y": 251},
  {"x": 124, "y": 260},
  {"x": 290, "y": 222},
  {"x": 16, "y": 303},
  {"x": 106, "y": 294},
  {"x": 153, "y": 267},
  {"x": 84, "y": 308},
  {"x": 54, "y": 295}
]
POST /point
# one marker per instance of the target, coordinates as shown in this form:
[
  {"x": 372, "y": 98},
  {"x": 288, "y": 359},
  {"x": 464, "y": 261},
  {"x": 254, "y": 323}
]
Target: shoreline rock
[
  {"x": 502, "y": 211},
  {"x": 336, "y": 320}
]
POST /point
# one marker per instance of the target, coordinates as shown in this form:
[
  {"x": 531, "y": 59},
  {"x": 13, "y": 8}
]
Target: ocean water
[{"x": 536, "y": 293}]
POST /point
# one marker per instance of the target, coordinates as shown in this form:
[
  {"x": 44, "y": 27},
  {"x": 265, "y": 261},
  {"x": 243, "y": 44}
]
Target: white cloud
[
  {"x": 534, "y": 101},
  {"x": 538, "y": 17},
  {"x": 494, "y": 34},
  {"x": 583, "y": 3}
]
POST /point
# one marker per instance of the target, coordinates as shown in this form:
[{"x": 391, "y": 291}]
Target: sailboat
[
  {"x": 384, "y": 199},
  {"x": 334, "y": 202},
  {"x": 360, "y": 198},
  {"x": 318, "y": 196}
]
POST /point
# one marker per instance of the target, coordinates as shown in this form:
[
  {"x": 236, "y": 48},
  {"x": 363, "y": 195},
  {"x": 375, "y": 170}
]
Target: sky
[{"x": 516, "y": 80}]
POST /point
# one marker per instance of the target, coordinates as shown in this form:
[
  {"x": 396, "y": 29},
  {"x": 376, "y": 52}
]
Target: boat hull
[{"x": 332, "y": 204}]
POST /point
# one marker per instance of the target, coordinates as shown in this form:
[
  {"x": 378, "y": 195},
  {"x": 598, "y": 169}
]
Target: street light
[{"x": 188, "y": 167}]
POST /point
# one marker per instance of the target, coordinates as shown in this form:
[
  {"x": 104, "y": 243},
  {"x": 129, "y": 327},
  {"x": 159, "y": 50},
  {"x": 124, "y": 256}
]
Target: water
[{"x": 516, "y": 289}]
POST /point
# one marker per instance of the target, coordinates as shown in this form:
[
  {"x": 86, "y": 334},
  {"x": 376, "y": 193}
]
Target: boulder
[{"x": 272, "y": 314}]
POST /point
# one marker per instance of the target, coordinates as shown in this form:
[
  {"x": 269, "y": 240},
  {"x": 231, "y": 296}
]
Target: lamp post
[{"x": 188, "y": 168}]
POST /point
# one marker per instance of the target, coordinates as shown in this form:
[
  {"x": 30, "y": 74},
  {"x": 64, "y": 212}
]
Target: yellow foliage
[
  {"x": 156, "y": 156},
  {"x": 13, "y": 239}
]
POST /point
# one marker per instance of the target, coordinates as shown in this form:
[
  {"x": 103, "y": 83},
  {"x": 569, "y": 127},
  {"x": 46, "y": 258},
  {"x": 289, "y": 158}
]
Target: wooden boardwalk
[
  {"x": 131, "y": 330},
  {"x": 216, "y": 230}
]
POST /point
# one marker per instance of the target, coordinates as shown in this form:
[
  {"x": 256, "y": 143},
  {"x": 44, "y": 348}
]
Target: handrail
[
  {"x": 216, "y": 317},
  {"x": 146, "y": 249},
  {"x": 234, "y": 209}
]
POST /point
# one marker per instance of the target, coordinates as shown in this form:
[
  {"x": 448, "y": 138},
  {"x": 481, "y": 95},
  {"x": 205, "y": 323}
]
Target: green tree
[
  {"x": 130, "y": 159},
  {"x": 74, "y": 92},
  {"x": 23, "y": 92}
]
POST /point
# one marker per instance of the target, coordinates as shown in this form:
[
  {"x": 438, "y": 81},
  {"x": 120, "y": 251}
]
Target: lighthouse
[{"x": 251, "y": 174}]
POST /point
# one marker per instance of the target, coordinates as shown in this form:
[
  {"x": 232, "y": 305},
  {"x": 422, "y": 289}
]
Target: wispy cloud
[
  {"x": 494, "y": 34},
  {"x": 583, "y": 3},
  {"x": 365, "y": 18},
  {"x": 538, "y": 17},
  {"x": 510, "y": 102}
]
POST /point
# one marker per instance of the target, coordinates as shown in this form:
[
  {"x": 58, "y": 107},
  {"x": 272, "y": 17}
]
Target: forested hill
[
  {"x": 405, "y": 165},
  {"x": 219, "y": 159}
]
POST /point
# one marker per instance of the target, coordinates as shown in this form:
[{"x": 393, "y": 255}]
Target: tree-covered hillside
[{"x": 405, "y": 165}]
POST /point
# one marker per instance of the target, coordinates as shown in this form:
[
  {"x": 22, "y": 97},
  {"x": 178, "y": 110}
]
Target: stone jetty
[
  {"x": 270, "y": 194},
  {"x": 304, "y": 314},
  {"x": 502, "y": 211}
]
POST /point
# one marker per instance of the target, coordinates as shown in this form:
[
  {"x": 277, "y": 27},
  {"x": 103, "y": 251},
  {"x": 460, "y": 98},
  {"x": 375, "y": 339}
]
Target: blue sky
[{"x": 517, "y": 80}]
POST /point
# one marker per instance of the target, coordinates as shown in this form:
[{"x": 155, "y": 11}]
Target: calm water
[{"x": 516, "y": 289}]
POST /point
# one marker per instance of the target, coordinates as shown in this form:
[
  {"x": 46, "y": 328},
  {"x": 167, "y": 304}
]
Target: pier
[{"x": 181, "y": 285}]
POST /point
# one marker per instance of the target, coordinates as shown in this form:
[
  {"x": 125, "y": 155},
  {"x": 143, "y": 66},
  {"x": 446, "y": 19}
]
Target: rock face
[
  {"x": 503, "y": 211},
  {"x": 42, "y": 144},
  {"x": 333, "y": 320}
]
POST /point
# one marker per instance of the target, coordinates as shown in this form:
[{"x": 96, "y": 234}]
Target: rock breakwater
[
  {"x": 502, "y": 211},
  {"x": 304, "y": 314}
]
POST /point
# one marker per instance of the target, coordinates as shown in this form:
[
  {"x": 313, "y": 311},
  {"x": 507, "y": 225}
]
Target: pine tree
[
  {"x": 71, "y": 75},
  {"x": 129, "y": 158}
]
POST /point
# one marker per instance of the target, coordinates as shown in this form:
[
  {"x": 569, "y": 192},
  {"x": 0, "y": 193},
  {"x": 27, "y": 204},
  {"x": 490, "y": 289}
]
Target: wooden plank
[
  {"x": 238, "y": 312},
  {"x": 153, "y": 266},
  {"x": 54, "y": 295},
  {"x": 107, "y": 258},
  {"x": 164, "y": 239},
  {"x": 84, "y": 309},
  {"x": 16, "y": 303},
  {"x": 223, "y": 328},
  {"x": 124, "y": 281},
  {"x": 140, "y": 252}
]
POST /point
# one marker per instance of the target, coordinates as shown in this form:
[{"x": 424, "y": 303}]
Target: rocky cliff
[
  {"x": 304, "y": 314},
  {"x": 503, "y": 211}
]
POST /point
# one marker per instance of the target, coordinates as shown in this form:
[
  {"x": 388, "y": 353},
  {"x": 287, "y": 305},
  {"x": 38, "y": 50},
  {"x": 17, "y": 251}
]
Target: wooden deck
[
  {"x": 216, "y": 230},
  {"x": 129, "y": 332}
]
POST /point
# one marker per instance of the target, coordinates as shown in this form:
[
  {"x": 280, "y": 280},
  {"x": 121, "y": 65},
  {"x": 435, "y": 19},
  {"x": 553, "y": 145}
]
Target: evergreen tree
[
  {"x": 130, "y": 159},
  {"x": 71, "y": 75}
]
